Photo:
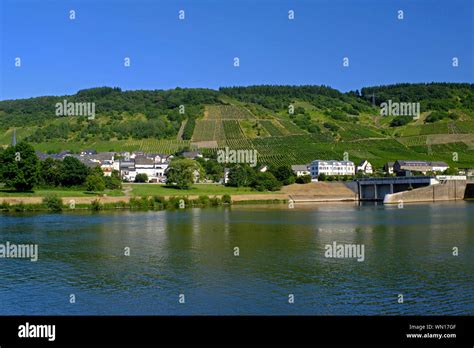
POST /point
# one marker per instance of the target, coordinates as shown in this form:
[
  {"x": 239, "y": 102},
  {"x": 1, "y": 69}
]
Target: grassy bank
[
  {"x": 56, "y": 204},
  {"x": 60, "y": 192},
  {"x": 195, "y": 190}
]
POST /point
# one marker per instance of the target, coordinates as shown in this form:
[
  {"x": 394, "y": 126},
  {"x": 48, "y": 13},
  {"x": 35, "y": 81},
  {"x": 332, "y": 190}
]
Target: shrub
[
  {"x": 322, "y": 177},
  {"x": 142, "y": 177},
  {"x": 226, "y": 199},
  {"x": 53, "y": 203},
  {"x": 20, "y": 207},
  {"x": 5, "y": 206},
  {"x": 96, "y": 205},
  {"x": 215, "y": 201},
  {"x": 304, "y": 179},
  {"x": 95, "y": 182},
  {"x": 204, "y": 200}
]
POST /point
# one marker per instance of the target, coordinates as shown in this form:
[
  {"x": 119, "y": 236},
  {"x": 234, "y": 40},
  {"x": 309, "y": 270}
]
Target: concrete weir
[
  {"x": 415, "y": 189},
  {"x": 375, "y": 189}
]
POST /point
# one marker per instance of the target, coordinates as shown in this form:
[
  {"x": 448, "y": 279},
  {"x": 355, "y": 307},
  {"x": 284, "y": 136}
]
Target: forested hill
[{"x": 306, "y": 121}]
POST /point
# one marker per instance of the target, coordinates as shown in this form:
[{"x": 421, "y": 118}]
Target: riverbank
[{"x": 136, "y": 195}]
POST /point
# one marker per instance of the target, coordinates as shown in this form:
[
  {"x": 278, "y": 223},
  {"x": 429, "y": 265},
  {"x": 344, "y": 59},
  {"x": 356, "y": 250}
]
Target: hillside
[{"x": 285, "y": 124}]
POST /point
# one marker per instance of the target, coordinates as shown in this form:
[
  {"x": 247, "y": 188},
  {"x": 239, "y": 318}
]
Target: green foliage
[
  {"x": 53, "y": 203},
  {"x": 440, "y": 115},
  {"x": 303, "y": 179},
  {"x": 241, "y": 175},
  {"x": 400, "y": 121},
  {"x": 181, "y": 173},
  {"x": 451, "y": 171},
  {"x": 189, "y": 128},
  {"x": 19, "y": 167},
  {"x": 96, "y": 205},
  {"x": 50, "y": 172},
  {"x": 226, "y": 199},
  {"x": 113, "y": 182},
  {"x": 431, "y": 96},
  {"x": 213, "y": 170},
  {"x": 73, "y": 172},
  {"x": 322, "y": 177},
  {"x": 284, "y": 174},
  {"x": 141, "y": 178},
  {"x": 266, "y": 182},
  {"x": 95, "y": 182}
]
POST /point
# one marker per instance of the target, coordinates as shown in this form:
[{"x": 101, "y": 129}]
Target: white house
[
  {"x": 331, "y": 167},
  {"x": 154, "y": 171},
  {"x": 301, "y": 169},
  {"x": 364, "y": 167}
]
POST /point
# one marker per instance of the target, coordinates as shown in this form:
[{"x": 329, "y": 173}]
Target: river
[{"x": 258, "y": 259}]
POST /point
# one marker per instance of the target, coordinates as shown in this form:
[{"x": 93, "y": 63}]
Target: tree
[
  {"x": 181, "y": 173},
  {"x": 322, "y": 177},
  {"x": 303, "y": 179},
  {"x": 284, "y": 174},
  {"x": 266, "y": 181},
  {"x": 50, "y": 171},
  {"x": 241, "y": 175},
  {"x": 19, "y": 167},
  {"x": 95, "y": 182},
  {"x": 213, "y": 169},
  {"x": 451, "y": 171},
  {"x": 113, "y": 182},
  {"x": 142, "y": 177},
  {"x": 74, "y": 172}
]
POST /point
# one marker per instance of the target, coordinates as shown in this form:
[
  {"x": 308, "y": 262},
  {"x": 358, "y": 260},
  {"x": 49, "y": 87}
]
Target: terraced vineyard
[
  {"x": 157, "y": 146},
  {"x": 290, "y": 126},
  {"x": 227, "y": 112},
  {"x": 352, "y": 131},
  {"x": 271, "y": 128},
  {"x": 204, "y": 130},
  {"x": 232, "y": 129}
]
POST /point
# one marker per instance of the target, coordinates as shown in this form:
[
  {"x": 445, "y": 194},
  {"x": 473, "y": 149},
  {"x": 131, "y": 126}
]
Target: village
[{"x": 154, "y": 166}]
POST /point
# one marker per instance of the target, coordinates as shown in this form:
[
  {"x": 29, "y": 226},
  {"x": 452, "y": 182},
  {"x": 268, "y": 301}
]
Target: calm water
[{"x": 407, "y": 251}]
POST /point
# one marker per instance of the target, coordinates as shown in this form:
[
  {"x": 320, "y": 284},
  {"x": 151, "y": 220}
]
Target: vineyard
[
  {"x": 157, "y": 146},
  {"x": 291, "y": 127},
  {"x": 227, "y": 112},
  {"x": 352, "y": 131},
  {"x": 271, "y": 128},
  {"x": 204, "y": 130},
  {"x": 232, "y": 129}
]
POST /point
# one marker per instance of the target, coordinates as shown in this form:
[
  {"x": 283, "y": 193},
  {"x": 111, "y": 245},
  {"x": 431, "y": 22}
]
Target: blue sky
[{"x": 60, "y": 56}]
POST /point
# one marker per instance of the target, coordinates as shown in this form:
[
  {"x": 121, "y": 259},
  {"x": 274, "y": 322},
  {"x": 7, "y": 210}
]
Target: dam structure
[{"x": 392, "y": 190}]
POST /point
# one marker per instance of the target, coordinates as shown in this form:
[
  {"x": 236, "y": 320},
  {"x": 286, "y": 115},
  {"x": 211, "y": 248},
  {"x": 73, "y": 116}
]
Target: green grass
[
  {"x": 61, "y": 192},
  {"x": 197, "y": 189}
]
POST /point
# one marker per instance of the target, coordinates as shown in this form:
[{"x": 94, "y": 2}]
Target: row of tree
[{"x": 20, "y": 169}]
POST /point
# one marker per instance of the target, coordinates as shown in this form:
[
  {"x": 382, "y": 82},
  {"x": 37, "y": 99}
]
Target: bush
[
  {"x": 53, "y": 203},
  {"x": 304, "y": 179},
  {"x": 142, "y": 177},
  {"x": 113, "y": 182},
  {"x": 204, "y": 200},
  {"x": 96, "y": 205},
  {"x": 5, "y": 206},
  {"x": 226, "y": 199},
  {"x": 95, "y": 183},
  {"x": 215, "y": 201},
  {"x": 266, "y": 181}
]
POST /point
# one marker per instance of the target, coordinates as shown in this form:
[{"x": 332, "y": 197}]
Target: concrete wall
[{"x": 449, "y": 191}]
